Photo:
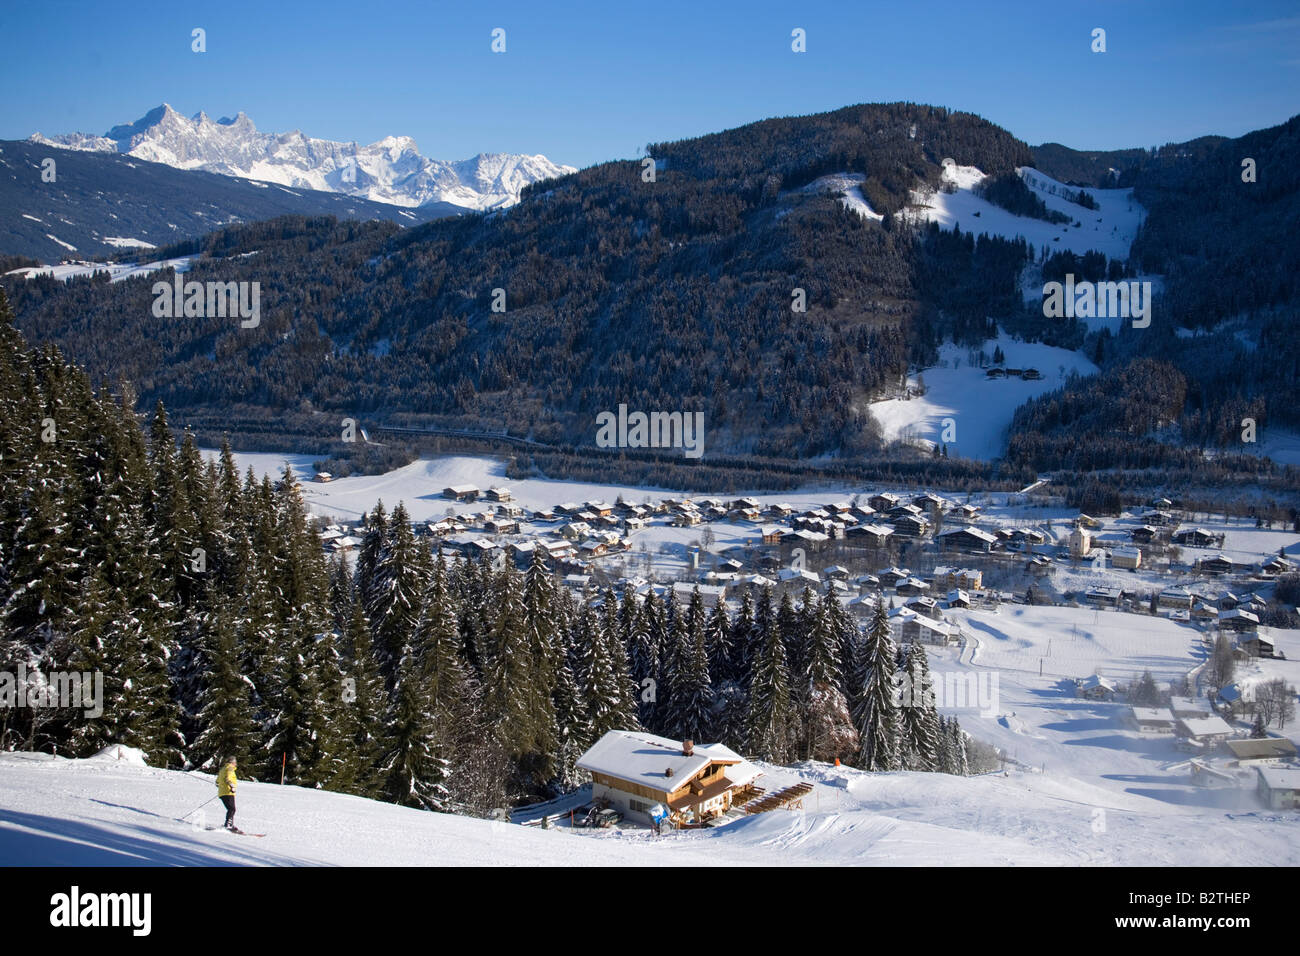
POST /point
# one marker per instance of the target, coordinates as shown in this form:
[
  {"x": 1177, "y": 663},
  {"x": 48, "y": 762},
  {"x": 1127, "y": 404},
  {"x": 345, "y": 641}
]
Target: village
[{"x": 943, "y": 566}]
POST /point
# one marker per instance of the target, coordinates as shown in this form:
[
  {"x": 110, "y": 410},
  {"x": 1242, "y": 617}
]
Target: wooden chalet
[{"x": 632, "y": 771}]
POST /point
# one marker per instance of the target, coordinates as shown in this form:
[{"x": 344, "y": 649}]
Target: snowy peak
[{"x": 390, "y": 170}]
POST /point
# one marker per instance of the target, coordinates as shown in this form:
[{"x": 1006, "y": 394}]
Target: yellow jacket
[{"x": 226, "y": 781}]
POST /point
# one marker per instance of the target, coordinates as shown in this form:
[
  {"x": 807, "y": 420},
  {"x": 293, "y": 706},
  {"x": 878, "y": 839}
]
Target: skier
[{"x": 226, "y": 791}]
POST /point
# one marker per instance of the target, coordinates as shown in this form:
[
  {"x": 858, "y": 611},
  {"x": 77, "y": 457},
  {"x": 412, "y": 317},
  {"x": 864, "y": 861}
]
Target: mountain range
[{"x": 391, "y": 170}]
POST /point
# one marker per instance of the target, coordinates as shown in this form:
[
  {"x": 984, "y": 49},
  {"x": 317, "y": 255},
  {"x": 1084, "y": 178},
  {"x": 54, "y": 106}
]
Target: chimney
[{"x": 688, "y": 747}]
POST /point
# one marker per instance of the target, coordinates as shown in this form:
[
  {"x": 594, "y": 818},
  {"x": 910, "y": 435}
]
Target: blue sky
[{"x": 584, "y": 82}]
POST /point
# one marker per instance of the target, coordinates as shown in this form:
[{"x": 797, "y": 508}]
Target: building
[
  {"x": 910, "y": 525},
  {"x": 1152, "y": 720},
  {"x": 1238, "y": 620},
  {"x": 968, "y": 538},
  {"x": 323, "y": 477},
  {"x": 499, "y": 494},
  {"x": 1191, "y": 707},
  {"x": 1080, "y": 543},
  {"x": 1095, "y": 687},
  {"x": 920, "y": 628},
  {"x": 633, "y": 771},
  {"x": 1262, "y": 751},
  {"x": 1195, "y": 537},
  {"x": 1215, "y": 564},
  {"x": 968, "y": 579},
  {"x": 1125, "y": 558},
  {"x": 873, "y": 535},
  {"x": 1251, "y": 644},
  {"x": 1203, "y": 731},
  {"x": 460, "y": 493},
  {"x": 1279, "y": 787}
]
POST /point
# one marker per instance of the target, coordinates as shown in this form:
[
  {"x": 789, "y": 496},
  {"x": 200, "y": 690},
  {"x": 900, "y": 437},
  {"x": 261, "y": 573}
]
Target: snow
[
  {"x": 125, "y": 243},
  {"x": 117, "y": 271},
  {"x": 390, "y": 170},
  {"x": 1110, "y": 229},
  {"x": 981, "y": 409},
  {"x": 65, "y": 245},
  {"x": 848, "y": 186}
]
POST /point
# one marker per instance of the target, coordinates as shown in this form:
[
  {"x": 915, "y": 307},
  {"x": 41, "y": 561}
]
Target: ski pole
[{"x": 199, "y": 807}]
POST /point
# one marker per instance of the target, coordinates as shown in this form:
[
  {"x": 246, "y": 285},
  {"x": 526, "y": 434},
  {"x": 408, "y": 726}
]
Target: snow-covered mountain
[{"x": 391, "y": 170}]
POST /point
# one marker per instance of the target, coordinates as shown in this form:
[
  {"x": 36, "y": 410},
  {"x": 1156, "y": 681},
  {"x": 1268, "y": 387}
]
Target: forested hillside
[{"x": 205, "y": 600}]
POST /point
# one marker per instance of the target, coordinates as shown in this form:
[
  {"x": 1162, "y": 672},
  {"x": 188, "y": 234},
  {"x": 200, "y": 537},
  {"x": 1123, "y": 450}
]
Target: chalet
[
  {"x": 499, "y": 494},
  {"x": 1095, "y": 687},
  {"x": 633, "y": 523},
  {"x": 1032, "y": 375},
  {"x": 569, "y": 508},
  {"x": 910, "y": 526},
  {"x": 546, "y": 515},
  {"x": 1161, "y": 503},
  {"x": 1237, "y": 620},
  {"x": 732, "y": 565},
  {"x": 578, "y": 582},
  {"x": 966, "y": 512},
  {"x": 1152, "y": 720},
  {"x": 1277, "y": 565},
  {"x": 1206, "y": 774},
  {"x": 461, "y": 493},
  {"x": 344, "y": 544},
  {"x": 1175, "y": 597},
  {"x": 873, "y": 535},
  {"x": 837, "y": 572},
  {"x": 995, "y": 373},
  {"x": 1215, "y": 564},
  {"x": 1251, "y": 644},
  {"x": 771, "y": 534},
  {"x": 593, "y": 549},
  {"x": 780, "y": 510},
  {"x": 1028, "y": 535},
  {"x": 1159, "y": 519},
  {"x": 1143, "y": 534},
  {"x": 899, "y": 511},
  {"x": 910, "y": 586},
  {"x": 929, "y": 501},
  {"x": 323, "y": 477},
  {"x": 1262, "y": 751},
  {"x": 922, "y": 604},
  {"x": 839, "y": 508},
  {"x": 884, "y": 501},
  {"x": 1015, "y": 372},
  {"x": 575, "y": 530},
  {"x": 745, "y": 504},
  {"x": 558, "y": 550},
  {"x": 958, "y": 598},
  {"x": 1279, "y": 787},
  {"x": 635, "y": 771},
  {"x": 968, "y": 539},
  {"x": 1194, "y": 537},
  {"x": 1203, "y": 613},
  {"x": 892, "y": 577},
  {"x": 600, "y": 508},
  {"x": 749, "y": 514},
  {"x": 686, "y": 519},
  {"x": 501, "y": 525},
  {"x": 1086, "y": 521},
  {"x": 1040, "y": 564},
  {"x": 798, "y": 576}
]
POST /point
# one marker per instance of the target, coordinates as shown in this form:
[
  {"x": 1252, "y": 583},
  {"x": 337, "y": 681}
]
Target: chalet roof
[
  {"x": 1279, "y": 778},
  {"x": 642, "y": 758},
  {"x": 1261, "y": 747},
  {"x": 1153, "y": 714},
  {"x": 971, "y": 531},
  {"x": 1094, "y": 681}
]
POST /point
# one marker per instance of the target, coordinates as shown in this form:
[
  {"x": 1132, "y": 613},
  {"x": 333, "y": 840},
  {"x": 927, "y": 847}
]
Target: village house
[
  {"x": 884, "y": 501},
  {"x": 1143, "y": 534},
  {"x": 957, "y": 598},
  {"x": 1103, "y": 596},
  {"x": 893, "y": 576},
  {"x": 966, "y": 512},
  {"x": 1277, "y": 565},
  {"x": 780, "y": 510},
  {"x": 323, "y": 477},
  {"x": 634, "y": 771},
  {"x": 460, "y": 493},
  {"x": 1125, "y": 558},
  {"x": 873, "y": 535},
  {"x": 947, "y": 578},
  {"x": 1251, "y": 644},
  {"x": 1152, "y": 720},
  {"x": 1095, "y": 687},
  {"x": 968, "y": 538},
  {"x": 771, "y": 533},
  {"x": 1215, "y": 564},
  {"x": 1080, "y": 543},
  {"x": 1087, "y": 521},
  {"x": 1237, "y": 620},
  {"x": 1279, "y": 787},
  {"x": 1195, "y": 537},
  {"x": 1203, "y": 732},
  {"x": 1175, "y": 597},
  {"x": 1191, "y": 707},
  {"x": 499, "y": 494},
  {"x": 911, "y": 586},
  {"x": 920, "y": 628},
  {"x": 922, "y": 604},
  {"x": 501, "y": 525},
  {"x": 711, "y": 595},
  {"x": 1262, "y": 751}
]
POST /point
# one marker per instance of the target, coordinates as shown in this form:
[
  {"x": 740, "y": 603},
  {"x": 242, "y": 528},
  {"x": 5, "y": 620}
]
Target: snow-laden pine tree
[
  {"x": 690, "y": 691},
  {"x": 413, "y": 773},
  {"x": 919, "y": 731},
  {"x": 877, "y": 716},
  {"x": 772, "y": 724}
]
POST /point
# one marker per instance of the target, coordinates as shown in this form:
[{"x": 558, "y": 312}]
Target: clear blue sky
[{"x": 584, "y": 82}]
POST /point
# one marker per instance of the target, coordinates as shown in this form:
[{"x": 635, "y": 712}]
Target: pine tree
[
  {"x": 919, "y": 731},
  {"x": 877, "y": 717},
  {"x": 226, "y": 712},
  {"x": 412, "y": 771},
  {"x": 772, "y": 721}
]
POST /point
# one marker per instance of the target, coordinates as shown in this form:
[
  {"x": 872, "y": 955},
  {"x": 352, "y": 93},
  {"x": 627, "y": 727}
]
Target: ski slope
[
  {"x": 1110, "y": 229},
  {"x": 981, "y": 409}
]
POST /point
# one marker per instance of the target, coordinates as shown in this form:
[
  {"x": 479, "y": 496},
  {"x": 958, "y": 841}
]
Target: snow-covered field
[
  {"x": 981, "y": 409},
  {"x": 1111, "y": 228},
  {"x": 117, "y": 271}
]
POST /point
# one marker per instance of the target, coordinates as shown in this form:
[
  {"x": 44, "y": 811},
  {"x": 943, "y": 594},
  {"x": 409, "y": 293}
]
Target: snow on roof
[
  {"x": 1280, "y": 778},
  {"x": 643, "y": 758},
  {"x": 972, "y": 531},
  {"x": 1096, "y": 680},
  {"x": 1153, "y": 713},
  {"x": 1205, "y": 726}
]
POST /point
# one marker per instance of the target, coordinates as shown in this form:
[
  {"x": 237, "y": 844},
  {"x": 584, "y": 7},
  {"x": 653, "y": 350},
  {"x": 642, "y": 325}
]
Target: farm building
[
  {"x": 1203, "y": 731},
  {"x": 1261, "y": 752},
  {"x": 633, "y": 771}
]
